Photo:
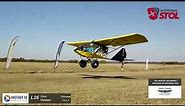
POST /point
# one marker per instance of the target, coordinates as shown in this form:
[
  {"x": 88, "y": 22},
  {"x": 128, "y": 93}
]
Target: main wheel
[
  {"x": 82, "y": 63},
  {"x": 94, "y": 64}
]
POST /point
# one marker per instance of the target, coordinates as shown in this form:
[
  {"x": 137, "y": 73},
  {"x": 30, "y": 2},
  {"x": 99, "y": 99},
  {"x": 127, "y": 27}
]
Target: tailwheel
[
  {"x": 122, "y": 64},
  {"x": 82, "y": 63},
  {"x": 94, "y": 64}
]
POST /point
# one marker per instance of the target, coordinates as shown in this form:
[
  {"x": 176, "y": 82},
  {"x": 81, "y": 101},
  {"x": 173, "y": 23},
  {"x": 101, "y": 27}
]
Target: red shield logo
[{"x": 153, "y": 13}]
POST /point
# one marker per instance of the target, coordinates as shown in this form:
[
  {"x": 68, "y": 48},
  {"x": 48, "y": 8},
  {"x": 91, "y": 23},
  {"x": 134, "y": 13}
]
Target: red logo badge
[
  {"x": 156, "y": 13},
  {"x": 153, "y": 13}
]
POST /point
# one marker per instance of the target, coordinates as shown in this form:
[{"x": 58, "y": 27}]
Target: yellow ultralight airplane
[{"x": 94, "y": 49}]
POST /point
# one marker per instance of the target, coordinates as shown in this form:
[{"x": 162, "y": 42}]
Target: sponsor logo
[
  {"x": 164, "y": 88},
  {"x": 7, "y": 98},
  {"x": 157, "y": 13},
  {"x": 164, "y": 91},
  {"x": 15, "y": 98}
]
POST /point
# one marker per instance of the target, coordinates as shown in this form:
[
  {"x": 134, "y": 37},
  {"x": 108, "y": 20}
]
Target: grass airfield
[{"x": 33, "y": 77}]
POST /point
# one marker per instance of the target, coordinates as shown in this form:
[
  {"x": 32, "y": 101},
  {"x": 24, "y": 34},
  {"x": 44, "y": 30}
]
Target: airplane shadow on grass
[{"x": 106, "y": 76}]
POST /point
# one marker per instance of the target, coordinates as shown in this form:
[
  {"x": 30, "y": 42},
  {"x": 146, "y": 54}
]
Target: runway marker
[{"x": 147, "y": 64}]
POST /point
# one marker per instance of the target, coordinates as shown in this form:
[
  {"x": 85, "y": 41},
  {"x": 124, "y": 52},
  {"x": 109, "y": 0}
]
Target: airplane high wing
[
  {"x": 99, "y": 48},
  {"x": 127, "y": 39}
]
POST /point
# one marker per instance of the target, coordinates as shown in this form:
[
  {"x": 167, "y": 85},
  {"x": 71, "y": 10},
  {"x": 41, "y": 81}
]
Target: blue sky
[{"x": 42, "y": 25}]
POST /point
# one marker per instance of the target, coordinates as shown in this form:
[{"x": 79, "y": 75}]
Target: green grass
[{"x": 41, "y": 77}]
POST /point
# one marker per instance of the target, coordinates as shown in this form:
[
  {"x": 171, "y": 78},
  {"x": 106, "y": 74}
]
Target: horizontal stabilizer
[{"x": 129, "y": 59}]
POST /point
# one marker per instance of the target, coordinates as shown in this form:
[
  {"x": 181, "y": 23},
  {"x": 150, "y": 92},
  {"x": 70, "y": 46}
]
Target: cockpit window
[{"x": 92, "y": 48}]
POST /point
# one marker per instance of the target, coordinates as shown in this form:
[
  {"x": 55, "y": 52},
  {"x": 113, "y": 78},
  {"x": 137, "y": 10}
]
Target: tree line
[
  {"x": 34, "y": 60},
  {"x": 75, "y": 61}
]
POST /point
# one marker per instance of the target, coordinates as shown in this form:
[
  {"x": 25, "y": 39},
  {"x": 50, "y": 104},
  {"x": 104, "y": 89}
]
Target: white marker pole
[{"x": 147, "y": 64}]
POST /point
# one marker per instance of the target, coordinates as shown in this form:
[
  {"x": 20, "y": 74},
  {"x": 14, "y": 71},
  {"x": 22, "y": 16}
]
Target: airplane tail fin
[{"x": 120, "y": 56}]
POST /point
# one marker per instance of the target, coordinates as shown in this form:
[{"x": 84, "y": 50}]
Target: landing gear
[
  {"x": 94, "y": 64},
  {"x": 83, "y": 63},
  {"x": 122, "y": 64}
]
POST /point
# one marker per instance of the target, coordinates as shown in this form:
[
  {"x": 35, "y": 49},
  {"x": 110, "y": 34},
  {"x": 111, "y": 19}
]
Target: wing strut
[{"x": 113, "y": 50}]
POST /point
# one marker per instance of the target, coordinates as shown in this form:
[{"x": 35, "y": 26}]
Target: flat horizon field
[{"x": 33, "y": 77}]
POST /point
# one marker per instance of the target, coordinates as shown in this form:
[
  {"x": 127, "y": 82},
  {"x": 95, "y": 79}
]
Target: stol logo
[{"x": 154, "y": 13}]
